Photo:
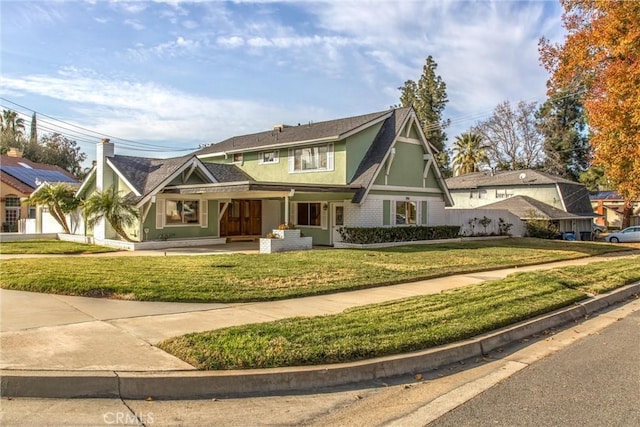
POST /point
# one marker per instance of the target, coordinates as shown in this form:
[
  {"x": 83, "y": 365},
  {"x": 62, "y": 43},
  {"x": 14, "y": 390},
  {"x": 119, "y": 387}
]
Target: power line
[{"x": 126, "y": 143}]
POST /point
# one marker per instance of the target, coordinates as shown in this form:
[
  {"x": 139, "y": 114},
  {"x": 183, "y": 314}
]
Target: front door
[
  {"x": 242, "y": 218},
  {"x": 337, "y": 221}
]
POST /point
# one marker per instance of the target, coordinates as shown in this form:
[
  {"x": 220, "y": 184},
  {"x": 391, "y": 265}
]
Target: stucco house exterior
[
  {"x": 528, "y": 194},
  {"x": 371, "y": 170},
  {"x": 19, "y": 177},
  {"x": 609, "y": 206}
]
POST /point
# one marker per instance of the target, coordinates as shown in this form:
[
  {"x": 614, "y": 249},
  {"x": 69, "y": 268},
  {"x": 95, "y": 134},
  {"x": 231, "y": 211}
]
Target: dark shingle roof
[
  {"x": 145, "y": 174},
  {"x": 526, "y": 207},
  {"x": 290, "y": 134},
  {"x": 377, "y": 151},
  {"x": 227, "y": 173},
  {"x": 576, "y": 198},
  {"x": 503, "y": 178}
]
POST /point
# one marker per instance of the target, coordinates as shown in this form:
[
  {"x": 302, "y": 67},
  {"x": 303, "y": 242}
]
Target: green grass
[
  {"x": 238, "y": 278},
  {"x": 51, "y": 247},
  {"x": 399, "y": 326}
]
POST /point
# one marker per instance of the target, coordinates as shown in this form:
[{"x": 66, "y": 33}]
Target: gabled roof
[
  {"x": 503, "y": 178},
  {"x": 306, "y": 133},
  {"x": 526, "y": 207},
  {"x": 147, "y": 176},
  {"x": 575, "y": 197},
  {"x": 25, "y": 175}
]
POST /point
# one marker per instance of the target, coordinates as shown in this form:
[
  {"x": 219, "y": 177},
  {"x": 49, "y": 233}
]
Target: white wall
[
  {"x": 547, "y": 194},
  {"x": 461, "y": 217},
  {"x": 367, "y": 214}
]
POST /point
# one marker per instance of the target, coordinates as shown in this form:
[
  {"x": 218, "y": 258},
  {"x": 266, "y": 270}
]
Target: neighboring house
[
  {"x": 609, "y": 206},
  {"x": 19, "y": 177},
  {"x": 371, "y": 170},
  {"x": 528, "y": 194}
]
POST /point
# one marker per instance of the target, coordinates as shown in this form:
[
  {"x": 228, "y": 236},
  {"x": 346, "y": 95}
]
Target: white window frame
[
  {"x": 504, "y": 193},
  {"x": 416, "y": 206},
  {"x": 275, "y": 159},
  {"x": 322, "y": 217},
  {"x": 329, "y": 163},
  {"x": 182, "y": 223}
]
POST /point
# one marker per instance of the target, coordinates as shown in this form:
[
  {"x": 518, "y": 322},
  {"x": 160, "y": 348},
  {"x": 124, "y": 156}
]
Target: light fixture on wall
[{"x": 325, "y": 206}]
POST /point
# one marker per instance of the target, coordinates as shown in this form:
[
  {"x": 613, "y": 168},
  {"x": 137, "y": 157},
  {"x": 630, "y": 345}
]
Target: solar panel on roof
[{"x": 35, "y": 177}]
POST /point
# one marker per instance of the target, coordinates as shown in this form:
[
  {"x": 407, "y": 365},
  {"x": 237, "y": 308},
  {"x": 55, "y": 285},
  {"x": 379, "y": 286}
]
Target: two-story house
[
  {"x": 370, "y": 170},
  {"x": 528, "y": 194}
]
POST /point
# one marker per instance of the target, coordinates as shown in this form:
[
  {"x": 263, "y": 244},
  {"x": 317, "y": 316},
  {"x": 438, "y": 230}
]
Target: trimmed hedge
[{"x": 367, "y": 235}]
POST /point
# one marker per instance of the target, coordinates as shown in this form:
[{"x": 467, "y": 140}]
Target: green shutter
[
  {"x": 424, "y": 213},
  {"x": 386, "y": 212}
]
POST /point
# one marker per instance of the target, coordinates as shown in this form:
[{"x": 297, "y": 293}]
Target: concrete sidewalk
[{"x": 53, "y": 332}]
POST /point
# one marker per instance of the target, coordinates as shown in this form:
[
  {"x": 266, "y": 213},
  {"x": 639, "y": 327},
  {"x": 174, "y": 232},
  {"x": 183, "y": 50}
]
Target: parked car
[
  {"x": 629, "y": 234},
  {"x": 597, "y": 229}
]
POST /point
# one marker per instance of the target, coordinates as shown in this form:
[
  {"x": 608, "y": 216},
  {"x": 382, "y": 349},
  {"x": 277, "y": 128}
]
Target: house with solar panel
[
  {"x": 371, "y": 170},
  {"x": 19, "y": 177}
]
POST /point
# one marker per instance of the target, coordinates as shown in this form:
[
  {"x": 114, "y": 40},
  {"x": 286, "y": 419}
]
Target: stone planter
[{"x": 287, "y": 240}]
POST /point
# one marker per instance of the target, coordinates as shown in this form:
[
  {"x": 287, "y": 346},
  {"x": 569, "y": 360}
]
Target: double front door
[{"x": 242, "y": 218}]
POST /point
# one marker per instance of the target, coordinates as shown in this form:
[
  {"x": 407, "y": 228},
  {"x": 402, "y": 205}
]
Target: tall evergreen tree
[
  {"x": 563, "y": 127},
  {"x": 33, "y": 135},
  {"x": 428, "y": 97}
]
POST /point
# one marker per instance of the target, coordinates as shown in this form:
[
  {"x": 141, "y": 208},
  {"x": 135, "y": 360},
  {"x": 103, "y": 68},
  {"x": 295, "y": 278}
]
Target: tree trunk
[
  {"x": 122, "y": 233},
  {"x": 60, "y": 217},
  {"x": 626, "y": 214}
]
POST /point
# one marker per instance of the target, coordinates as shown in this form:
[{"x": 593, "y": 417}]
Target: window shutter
[
  {"x": 159, "y": 214},
  {"x": 425, "y": 216},
  {"x": 291, "y": 160},
  {"x": 204, "y": 213},
  {"x": 386, "y": 212},
  {"x": 330, "y": 157}
]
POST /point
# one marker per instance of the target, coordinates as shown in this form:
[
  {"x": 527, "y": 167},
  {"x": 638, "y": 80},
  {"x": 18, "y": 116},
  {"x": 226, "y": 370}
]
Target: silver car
[{"x": 629, "y": 234}]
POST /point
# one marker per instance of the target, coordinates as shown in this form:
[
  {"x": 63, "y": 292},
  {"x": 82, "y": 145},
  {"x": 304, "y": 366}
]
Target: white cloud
[
  {"x": 135, "y": 24},
  {"x": 145, "y": 111}
]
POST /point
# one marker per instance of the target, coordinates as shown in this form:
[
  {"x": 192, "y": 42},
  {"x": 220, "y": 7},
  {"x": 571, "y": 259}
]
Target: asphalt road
[
  {"x": 595, "y": 382},
  {"x": 586, "y": 374}
]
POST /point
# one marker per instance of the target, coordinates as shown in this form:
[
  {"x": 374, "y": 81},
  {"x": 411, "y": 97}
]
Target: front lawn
[
  {"x": 237, "y": 277},
  {"x": 52, "y": 247},
  {"x": 399, "y": 326}
]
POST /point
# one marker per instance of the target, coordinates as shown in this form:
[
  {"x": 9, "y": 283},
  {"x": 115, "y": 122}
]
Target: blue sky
[{"x": 161, "y": 77}]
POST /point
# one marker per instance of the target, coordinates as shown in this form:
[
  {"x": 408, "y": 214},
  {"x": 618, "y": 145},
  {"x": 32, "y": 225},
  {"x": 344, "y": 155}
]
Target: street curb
[{"x": 208, "y": 384}]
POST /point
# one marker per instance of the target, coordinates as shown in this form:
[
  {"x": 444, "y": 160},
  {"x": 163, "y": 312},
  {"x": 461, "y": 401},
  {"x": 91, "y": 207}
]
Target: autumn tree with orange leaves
[{"x": 601, "y": 54}]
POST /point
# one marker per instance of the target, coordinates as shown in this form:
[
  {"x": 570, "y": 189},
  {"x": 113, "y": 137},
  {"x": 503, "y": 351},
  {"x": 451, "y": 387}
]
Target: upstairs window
[
  {"x": 238, "y": 158},
  {"x": 308, "y": 159},
  {"x": 269, "y": 157},
  {"x": 504, "y": 193}
]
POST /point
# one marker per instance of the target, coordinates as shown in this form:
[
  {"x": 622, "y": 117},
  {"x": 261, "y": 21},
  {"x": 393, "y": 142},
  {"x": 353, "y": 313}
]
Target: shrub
[
  {"x": 368, "y": 235},
  {"x": 504, "y": 227},
  {"x": 540, "y": 228}
]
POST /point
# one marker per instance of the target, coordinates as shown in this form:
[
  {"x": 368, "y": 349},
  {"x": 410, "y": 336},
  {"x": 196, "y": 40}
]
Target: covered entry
[{"x": 241, "y": 218}]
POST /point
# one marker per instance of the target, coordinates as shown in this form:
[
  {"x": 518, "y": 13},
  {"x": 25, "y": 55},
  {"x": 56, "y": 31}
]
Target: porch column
[{"x": 286, "y": 209}]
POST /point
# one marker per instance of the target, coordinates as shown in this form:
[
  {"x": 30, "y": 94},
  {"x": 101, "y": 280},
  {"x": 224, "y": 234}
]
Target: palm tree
[
  {"x": 11, "y": 130},
  {"x": 470, "y": 153},
  {"x": 59, "y": 198},
  {"x": 115, "y": 208},
  {"x": 11, "y": 124}
]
